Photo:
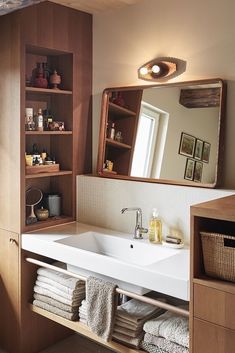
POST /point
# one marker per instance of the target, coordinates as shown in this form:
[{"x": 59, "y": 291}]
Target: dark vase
[{"x": 40, "y": 81}]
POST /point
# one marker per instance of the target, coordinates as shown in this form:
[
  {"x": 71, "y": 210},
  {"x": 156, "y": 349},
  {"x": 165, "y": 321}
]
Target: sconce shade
[{"x": 161, "y": 69}]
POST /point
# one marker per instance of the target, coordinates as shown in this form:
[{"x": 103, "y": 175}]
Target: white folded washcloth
[
  {"x": 82, "y": 311},
  {"x": 55, "y": 310},
  {"x": 57, "y": 291},
  {"x": 61, "y": 287},
  {"x": 127, "y": 331},
  {"x": 56, "y": 303},
  {"x": 84, "y": 321},
  {"x": 127, "y": 324},
  {"x": 130, "y": 341},
  {"x": 137, "y": 311},
  {"x": 83, "y": 316},
  {"x": 61, "y": 278},
  {"x": 170, "y": 326},
  {"x": 50, "y": 294}
]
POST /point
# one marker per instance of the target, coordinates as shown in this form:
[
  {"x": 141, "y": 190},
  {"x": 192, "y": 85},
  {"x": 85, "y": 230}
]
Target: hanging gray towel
[{"x": 101, "y": 299}]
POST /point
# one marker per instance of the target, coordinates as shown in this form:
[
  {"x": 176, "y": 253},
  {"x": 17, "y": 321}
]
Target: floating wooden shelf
[
  {"x": 48, "y": 132},
  {"x": 83, "y": 330},
  {"x": 43, "y": 175},
  {"x": 121, "y": 111},
  {"x": 47, "y": 90},
  {"x": 50, "y": 222},
  {"x": 117, "y": 144},
  {"x": 36, "y": 169}
]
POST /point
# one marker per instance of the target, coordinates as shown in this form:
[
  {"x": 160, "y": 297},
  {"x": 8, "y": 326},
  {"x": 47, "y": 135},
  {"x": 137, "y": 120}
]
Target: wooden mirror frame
[{"x": 221, "y": 129}]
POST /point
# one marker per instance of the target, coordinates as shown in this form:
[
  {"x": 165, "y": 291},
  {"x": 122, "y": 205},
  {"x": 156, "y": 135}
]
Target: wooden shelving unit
[
  {"x": 62, "y": 37},
  {"x": 212, "y": 312},
  {"x": 83, "y": 330},
  {"x": 125, "y": 119},
  {"x": 59, "y": 144}
]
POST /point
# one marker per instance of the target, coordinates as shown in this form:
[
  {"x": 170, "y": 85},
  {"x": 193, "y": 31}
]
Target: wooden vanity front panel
[
  {"x": 215, "y": 306},
  {"x": 210, "y": 338}
]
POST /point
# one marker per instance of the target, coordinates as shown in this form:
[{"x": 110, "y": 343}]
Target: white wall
[
  {"x": 200, "y": 32},
  {"x": 100, "y": 201}
]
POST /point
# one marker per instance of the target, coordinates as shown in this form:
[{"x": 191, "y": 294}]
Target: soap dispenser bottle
[{"x": 155, "y": 228}]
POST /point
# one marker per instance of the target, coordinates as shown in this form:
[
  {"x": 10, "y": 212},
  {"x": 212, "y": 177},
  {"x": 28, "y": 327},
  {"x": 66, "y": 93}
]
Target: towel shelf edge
[{"x": 83, "y": 330}]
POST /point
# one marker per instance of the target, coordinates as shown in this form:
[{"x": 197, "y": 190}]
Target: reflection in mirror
[{"x": 167, "y": 133}]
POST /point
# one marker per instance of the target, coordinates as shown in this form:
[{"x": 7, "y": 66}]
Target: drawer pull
[{"x": 13, "y": 241}]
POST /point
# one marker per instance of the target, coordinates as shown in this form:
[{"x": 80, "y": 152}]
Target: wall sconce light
[{"x": 162, "y": 69}]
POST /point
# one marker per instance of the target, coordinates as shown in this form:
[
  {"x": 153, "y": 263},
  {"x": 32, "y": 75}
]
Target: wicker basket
[{"x": 219, "y": 255}]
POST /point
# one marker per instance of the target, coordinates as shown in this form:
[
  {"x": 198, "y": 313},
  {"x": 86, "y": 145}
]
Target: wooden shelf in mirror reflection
[
  {"x": 117, "y": 144},
  {"x": 47, "y": 90},
  {"x": 156, "y": 109},
  {"x": 121, "y": 111}
]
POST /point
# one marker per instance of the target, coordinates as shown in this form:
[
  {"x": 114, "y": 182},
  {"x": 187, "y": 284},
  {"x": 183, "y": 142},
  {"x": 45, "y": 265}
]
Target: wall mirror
[{"x": 166, "y": 133}]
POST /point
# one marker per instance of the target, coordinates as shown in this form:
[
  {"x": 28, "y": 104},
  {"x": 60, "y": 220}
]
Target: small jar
[{"x": 42, "y": 214}]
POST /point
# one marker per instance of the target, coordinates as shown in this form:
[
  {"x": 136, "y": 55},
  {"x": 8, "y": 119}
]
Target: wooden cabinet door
[
  {"x": 9, "y": 290},
  {"x": 215, "y": 306},
  {"x": 211, "y": 338}
]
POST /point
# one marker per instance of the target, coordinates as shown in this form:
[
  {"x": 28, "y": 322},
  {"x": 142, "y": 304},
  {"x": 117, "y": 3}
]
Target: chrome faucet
[{"x": 139, "y": 230}]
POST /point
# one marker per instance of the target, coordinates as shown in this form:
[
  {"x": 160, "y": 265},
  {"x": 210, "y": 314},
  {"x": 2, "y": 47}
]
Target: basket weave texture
[{"x": 219, "y": 260}]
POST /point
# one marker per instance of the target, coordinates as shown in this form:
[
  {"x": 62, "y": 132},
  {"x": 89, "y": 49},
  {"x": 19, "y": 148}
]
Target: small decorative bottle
[
  {"x": 55, "y": 80},
  {"x": 39, "y": 120},
  {"x": 112, "y": 132}
]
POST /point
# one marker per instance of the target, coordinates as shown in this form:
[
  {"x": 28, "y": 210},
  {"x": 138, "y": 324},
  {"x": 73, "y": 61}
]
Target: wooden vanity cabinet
[
  {"x": 125, "y": 119},
  {"x": 62, "y": 37},
  {"x": 212, "y": 302}
]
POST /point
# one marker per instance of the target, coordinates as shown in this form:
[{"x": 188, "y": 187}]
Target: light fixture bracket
[{"x": 162, "y": 69}]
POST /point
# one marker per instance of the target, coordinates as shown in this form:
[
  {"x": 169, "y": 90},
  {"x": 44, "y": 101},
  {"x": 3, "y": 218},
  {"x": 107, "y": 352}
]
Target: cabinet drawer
[
  {"x": 214, "y": 305},
  {"x": 210, "y": 338}
]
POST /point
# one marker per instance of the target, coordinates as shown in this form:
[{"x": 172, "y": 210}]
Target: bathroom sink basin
[{"x": 135, "y": 252}]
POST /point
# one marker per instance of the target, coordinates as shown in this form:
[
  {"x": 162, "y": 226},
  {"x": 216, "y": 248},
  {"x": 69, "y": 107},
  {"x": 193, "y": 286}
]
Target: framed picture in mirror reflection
[
  {"x": 187, "y": 145},
  {"x": 189, "y": 169},
  {"x": 206, "y": 152},
  {"x": 198, "y": 149},
  {"x": 198, "y": 171}
]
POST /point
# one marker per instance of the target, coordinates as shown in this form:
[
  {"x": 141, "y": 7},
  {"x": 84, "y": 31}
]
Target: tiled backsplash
[{"x": 99, "y": 201}]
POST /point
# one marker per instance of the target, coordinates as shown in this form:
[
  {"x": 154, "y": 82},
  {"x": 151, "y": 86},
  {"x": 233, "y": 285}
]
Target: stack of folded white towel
[
  {"x": 130, "y": 318},
  {"x": 166, "y": 334},
  {"x": 58, "y": 293},
  {"x": 83, "y": 312}
]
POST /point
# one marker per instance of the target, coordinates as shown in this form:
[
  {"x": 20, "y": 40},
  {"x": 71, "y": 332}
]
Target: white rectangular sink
[{"x": 120, "y": 248}]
